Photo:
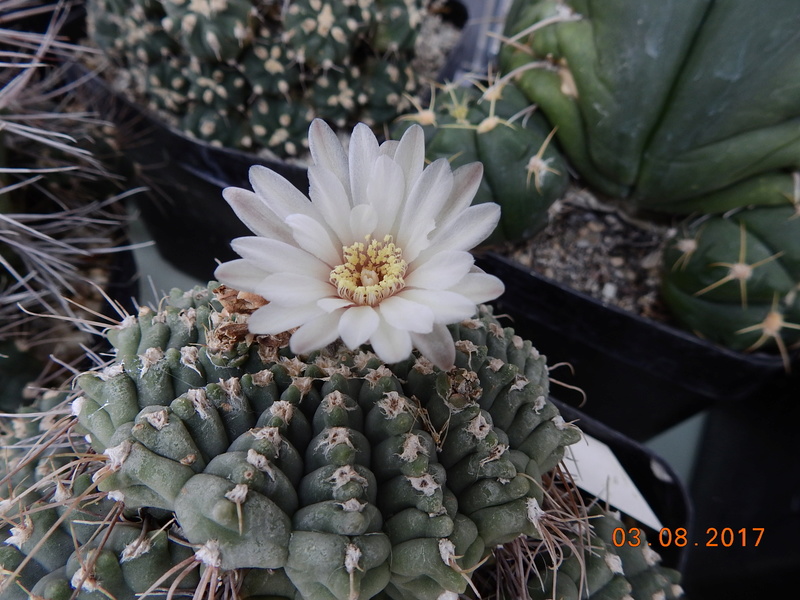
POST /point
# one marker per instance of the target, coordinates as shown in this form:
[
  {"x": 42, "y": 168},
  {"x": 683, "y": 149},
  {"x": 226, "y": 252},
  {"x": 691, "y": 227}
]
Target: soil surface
[{"x": 597, "y": 247}]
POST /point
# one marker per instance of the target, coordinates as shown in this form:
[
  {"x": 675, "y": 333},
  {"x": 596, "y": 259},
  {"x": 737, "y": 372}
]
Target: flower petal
[
  {"x": 447, "y": 306},
  {"x": 388, "y": 148},
  {"x": 293, "y": 288},
  {"x": 273, "y": 256},
  {"x": 256, "y": 214},
  {"x": 331, "y": 199},
  {"x": 389, "y": 185},
  {"x": 369, "y": 190},
  {"x": 410, "y": 153},
  {"x": 332, "y": 304},
  {"x": 441, "y": 271},
  {"x": 466, "y": 181},
  {"x": 240, "y": 274},
  {"x": 405, "y": 314},
  {"x": 466, "y": 231},
  {"x": 282, "y": 197},
  {"x": 312, "y": 237},
  {"x": 357, "y": 324},
  {"x": 363, "y": 220},
  {"x": 430, "y": 192},
  {"x": 437, "y": 346},
  {"x": 363, "y": 152},
  {"x": 480, "y": 287},
  {"x": 327, "y": 151},
  {"x": 315, "y": 334},
  {"x": 391, "y": 344},
  {"x": 273, "y": 318}
]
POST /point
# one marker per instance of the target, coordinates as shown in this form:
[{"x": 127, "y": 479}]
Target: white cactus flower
[{"x": 378, "y": 254}]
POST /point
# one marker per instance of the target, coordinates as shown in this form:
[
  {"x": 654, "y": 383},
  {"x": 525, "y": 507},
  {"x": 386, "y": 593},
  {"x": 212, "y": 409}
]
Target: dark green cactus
[
  {"x": 599, "y": 568},
  {"x": 253, "y": 75},
  {"x": 323, "y": 476},
  {"x": 664, "y": 103},
  {"x": 523, "y": 173},
  {"x": 207, "y": 29},
  {"x": 734, "y": 279}
]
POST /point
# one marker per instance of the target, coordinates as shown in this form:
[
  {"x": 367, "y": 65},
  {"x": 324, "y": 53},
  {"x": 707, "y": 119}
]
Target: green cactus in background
[
  {"x": 222, "y": 463},
  {"x": 496, "y": 125},
  {"x": 735, "y": 278},
  {"x": 664, "y": 103},
  {"x": 681, "y": 108},
  {"x": 253, "y": 75}
]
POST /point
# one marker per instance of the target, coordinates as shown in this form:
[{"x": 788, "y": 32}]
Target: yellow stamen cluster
[{"x": 372, "y": 270}]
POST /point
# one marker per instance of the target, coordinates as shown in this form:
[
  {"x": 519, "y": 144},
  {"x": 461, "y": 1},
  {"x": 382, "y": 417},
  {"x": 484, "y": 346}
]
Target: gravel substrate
[{"x": 598, "y": 248}]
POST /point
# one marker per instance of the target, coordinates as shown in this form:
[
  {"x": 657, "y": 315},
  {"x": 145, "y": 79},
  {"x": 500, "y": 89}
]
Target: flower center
[{"x": 372, "y": 270}]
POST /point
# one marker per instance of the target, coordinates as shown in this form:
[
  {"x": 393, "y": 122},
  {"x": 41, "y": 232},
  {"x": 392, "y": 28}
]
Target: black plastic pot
[
  {"x": 746, "y": 490},
  {"x": 641, "y": 377}
]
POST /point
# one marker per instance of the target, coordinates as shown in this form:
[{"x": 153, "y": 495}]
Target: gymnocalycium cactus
[
  {"x": 330, "y": 475},
  {"x": 665, "y": 103},
  {"x": 498, "y": 127},
  {"x": 735, "y": 278},
  {"x": 252, "y": 75}
]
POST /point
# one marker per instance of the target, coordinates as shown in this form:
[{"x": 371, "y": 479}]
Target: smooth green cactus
[
  {"x": 253, "y": 75},
  {"x": 329, "y": 476},
  {"x": 734, "y": 279},
  {"x": 663, "y": 103},
  {"x": 498, "y": 127}
]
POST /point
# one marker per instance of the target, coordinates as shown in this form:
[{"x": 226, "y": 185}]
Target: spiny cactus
[
  {"x": 324, "y": 476},
  {"x": 496, "y": 125},
  {"x": 663, "y": 103},
  {"x": 580, "y": 564},
  {"x": 735, "y": 279},
  {"x": 59, "y": 217},
  {"x": 253, "y": 75}
]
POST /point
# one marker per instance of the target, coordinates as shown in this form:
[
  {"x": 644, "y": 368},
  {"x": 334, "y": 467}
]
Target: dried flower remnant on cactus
[{"x": 378, "y": 254}]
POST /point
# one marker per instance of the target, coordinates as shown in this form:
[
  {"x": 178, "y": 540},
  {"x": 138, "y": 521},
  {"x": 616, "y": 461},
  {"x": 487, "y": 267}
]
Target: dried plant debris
[{"x": 59, "y": 211}]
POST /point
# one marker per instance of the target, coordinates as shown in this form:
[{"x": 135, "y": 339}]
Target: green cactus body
[
  {"x": 734, "y": 278},
  {"x": 396, "y": 23},
  {"x": 271, "y": 68},
  {"x": 209, "y": 29},
  {"x": 663, "y": 103},
  {"x": 362, "y": 504},
  {"x": 253, "y": 75},
  {"x": 322, "y": 32},
  {"x": 329, "y": 476},
  {"x": 610, "y": 571},
  {"x": 522, "y": 172}
]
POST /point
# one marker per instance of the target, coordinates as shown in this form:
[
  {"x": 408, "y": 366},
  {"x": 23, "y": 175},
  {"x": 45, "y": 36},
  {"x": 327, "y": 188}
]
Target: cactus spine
[{"x": 735, "y": 278}]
